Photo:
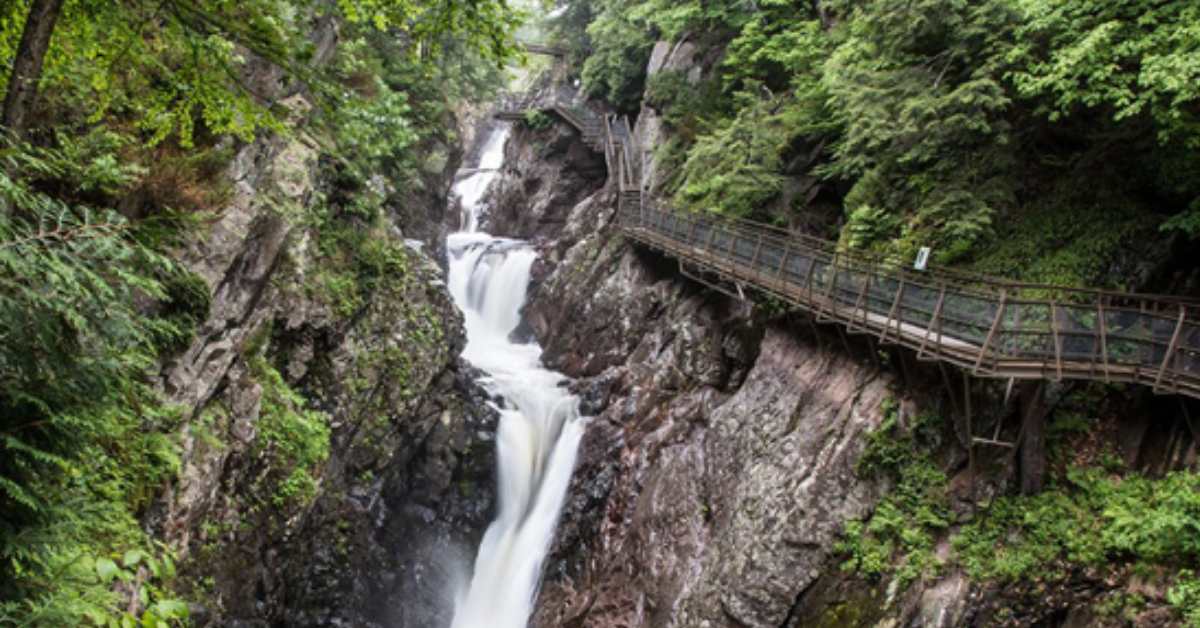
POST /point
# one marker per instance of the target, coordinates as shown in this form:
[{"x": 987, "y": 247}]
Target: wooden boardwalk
[{"x": 987, "y": 326}]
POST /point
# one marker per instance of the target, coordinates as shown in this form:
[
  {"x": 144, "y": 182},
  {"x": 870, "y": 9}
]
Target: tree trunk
[
  {"x": 1033, "y": 440},
  {"x": 27, "y": 67}
]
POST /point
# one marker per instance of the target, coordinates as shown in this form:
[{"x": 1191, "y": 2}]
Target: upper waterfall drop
[{"x": 540, "y": 426}]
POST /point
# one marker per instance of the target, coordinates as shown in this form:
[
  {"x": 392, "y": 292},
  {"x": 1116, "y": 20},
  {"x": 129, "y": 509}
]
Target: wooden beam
[
  {"x": 1170, "y": 348},
  {"x": 1057, "y": 341},
  {"x": 892, "y": 313},
  {"x": 970, "y": 431},
  {"x": 992, "y": 332},
  {"x": 1100, "y": 315},
  {"x": 1033, "y": 445},
  {"x": 937, "y": 312}
]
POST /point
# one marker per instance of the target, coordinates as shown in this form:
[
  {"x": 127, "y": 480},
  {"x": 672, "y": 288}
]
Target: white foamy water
[{"x": 539, "y": 428}]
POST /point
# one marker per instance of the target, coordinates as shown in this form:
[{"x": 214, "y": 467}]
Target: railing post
[
  {"x": 754, "y": 261},
  {"x": 859, "y": 303},
  {"x": 937, "y": 312},
  {"x": 893, "y": 312},
  {"x": 1172, "y": 347},
  {"x": 732, "y": 245},
  {"x": 832, "y": 285},
  {"x": 1057, "y": 341},
  {"x": 808, "y": 282},
  {"x": 992, "y": 332},
  {"x": 1103, "y": 335}
]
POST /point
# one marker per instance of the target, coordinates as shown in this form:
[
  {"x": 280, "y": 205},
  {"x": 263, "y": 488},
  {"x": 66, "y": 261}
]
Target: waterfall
[{"x": 539, "y": 428}]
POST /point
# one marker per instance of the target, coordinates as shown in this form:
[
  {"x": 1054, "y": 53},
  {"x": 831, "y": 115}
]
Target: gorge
[{"x": 429, "y": 315}]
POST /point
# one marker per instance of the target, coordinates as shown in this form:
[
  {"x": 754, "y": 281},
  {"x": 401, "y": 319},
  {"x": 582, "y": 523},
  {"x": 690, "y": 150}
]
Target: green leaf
[
  {"x": 133, "y": 557},
  {"x": 106, "y": 569},
  {"x": 171, "y": 609}
]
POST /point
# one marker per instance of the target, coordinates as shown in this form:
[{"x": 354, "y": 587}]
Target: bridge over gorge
[{"x": 986, "y": 326}]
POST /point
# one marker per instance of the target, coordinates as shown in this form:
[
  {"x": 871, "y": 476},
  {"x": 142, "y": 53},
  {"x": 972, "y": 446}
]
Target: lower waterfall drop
[{"x": 540, "y": 426}]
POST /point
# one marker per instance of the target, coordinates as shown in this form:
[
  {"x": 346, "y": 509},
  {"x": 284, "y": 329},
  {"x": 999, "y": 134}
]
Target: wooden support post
[
  {"x": 1057, "y": 340},
  {"x": 892, "y": 314},
  {"x": 1170, "y": 348},
  {"x": 845, "y": 340},
  {"x": 832, "y": 285},
  {"x": 1187, "y": 418},
  {"x": 754, "y": 262},
  {"x": 937, "y": 312},
  {"x": 992, "y": 332},
  {"x": 970, "y": 431},
  {"x": 812, "y": 322},
  {"x": 874, "y": 349},
  {"x": 1004, "y": 411},
  {"x": 1033, "y": 438},
  {"x": 898, "y": 352},
  {"x": 950, "y": 393},
  {"x": 1103, "y": 337},
  {"x": 808, "y": 280},
  {"x": 858, "y": 303},
  {"x": 866, "y": 300},
  {"x": 787, "y": 249}
]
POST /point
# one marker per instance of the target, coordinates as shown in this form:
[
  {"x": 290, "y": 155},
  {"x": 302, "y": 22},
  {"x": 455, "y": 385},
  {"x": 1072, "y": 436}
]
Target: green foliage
[
  {"x": 688, "y": 108},
  {"x": 1184, "y": 597},
  {"x": 84, "y": 436},
  {"x": 898, "y": 538},
  {"x": 1125, "y": 58},
  {"x": 68, "y": 280},
  {"x": 1056, "y": 240},
  {"x": 359, "y": 258},
  {"x": 1187, "y": 221},
  {"x": 736, "y": 168},
  {"x": 567, "y": 27},
  {"x": 941, "y": 124},
  {"x": 180, "y": 69},
  {"x": 925, "y": 129},
  {"x": 295, "y": 440},
  {"x": 90, "y": 304},
  {"x": 616, "y": 68},
  {"x": 1092, "y": 520},
  {"x": 537, "y": 120}
]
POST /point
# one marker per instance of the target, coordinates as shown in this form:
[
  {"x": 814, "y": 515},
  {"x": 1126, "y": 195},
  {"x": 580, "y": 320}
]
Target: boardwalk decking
[{"x": 990, "y": 327}]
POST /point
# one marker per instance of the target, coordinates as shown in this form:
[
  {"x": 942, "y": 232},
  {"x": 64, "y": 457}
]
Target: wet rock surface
[{"x": 546, "y": 173}]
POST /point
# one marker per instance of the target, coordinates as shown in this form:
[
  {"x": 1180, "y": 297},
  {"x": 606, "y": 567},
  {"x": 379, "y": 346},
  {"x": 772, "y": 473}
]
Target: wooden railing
[{"x": 990, "y": 327}]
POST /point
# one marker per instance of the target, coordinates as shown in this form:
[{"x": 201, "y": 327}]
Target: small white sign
[{"x": 922, "y": 258}]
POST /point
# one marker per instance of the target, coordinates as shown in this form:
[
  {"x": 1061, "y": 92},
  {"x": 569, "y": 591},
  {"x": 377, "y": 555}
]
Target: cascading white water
[{"x": 540, "y": 426}]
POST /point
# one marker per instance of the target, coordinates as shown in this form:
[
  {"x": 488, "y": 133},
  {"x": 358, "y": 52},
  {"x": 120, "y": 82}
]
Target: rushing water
[{"x": 540, "y": 426}]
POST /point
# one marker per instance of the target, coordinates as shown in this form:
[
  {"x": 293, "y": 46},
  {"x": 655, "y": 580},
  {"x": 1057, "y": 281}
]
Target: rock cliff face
[
  {"x": 719, "y": 465},
  {"x": 405, "y": 490}
]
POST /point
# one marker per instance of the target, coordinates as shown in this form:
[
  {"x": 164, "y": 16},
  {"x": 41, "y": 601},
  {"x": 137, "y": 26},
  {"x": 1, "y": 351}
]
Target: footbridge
[{"x": 987, "y": 326}]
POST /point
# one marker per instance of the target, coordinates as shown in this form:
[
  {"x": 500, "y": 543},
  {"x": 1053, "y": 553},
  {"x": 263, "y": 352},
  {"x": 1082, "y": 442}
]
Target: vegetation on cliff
[
  {"x": 118, "y": 123},
  {"x": 932, "y": 123},
  {"x": 1097, "y": 518}
]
